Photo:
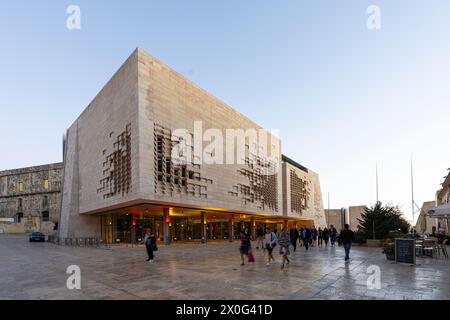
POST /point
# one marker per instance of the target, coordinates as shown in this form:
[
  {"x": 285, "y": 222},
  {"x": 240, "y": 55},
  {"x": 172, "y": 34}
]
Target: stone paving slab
[{"x": 211, "y": 271}]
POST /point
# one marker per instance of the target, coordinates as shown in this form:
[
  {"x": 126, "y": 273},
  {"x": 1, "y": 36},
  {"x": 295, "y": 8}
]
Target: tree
[{"x": 378, "y": 220}]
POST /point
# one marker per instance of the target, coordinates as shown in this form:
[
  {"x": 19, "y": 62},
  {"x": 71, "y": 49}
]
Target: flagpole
[
  {"x": 412, "y": 192},
  {"x": 376, "y": 188},
  {"x": 376, "y": 179}
]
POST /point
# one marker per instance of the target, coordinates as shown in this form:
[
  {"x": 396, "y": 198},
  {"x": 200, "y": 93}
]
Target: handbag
[
  {"x": 154, "y": 247},
  {"x": 251, "y": 257}
]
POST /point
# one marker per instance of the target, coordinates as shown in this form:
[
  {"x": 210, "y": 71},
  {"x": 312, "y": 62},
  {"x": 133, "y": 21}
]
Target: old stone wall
[{"x": 33, "y": 195}]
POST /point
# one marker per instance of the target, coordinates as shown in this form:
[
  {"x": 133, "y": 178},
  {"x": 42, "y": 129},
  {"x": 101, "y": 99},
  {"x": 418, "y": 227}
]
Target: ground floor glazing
[{"x": 177, "y": 225}]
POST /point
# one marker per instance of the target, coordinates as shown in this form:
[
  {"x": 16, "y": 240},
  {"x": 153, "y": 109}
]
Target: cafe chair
[
  {"x": 431, "y": 247},
  {"x": 419, "y": 247}
]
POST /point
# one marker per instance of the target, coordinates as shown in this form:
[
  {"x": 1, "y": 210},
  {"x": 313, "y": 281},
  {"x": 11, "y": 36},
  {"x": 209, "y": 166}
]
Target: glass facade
[{"x": 131, "y": 228}]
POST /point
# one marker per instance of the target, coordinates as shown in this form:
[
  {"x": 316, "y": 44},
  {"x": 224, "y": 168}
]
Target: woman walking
[
  {"x": 245, "y": 244},
  {"x": 326, "y": 236},
  {"x": 284, "y": 242},
  {"x": 300, "y": 236},
  {"x": 270, "y": 240},
  {"x": 320, "y": 237},
  {"x": 150, "y": 244}
]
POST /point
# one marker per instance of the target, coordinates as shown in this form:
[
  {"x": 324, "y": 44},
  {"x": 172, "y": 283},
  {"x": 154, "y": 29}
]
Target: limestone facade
[
  {"x": 424, "y": 224},
  {"x": 118, "y": 154},
  {"x": 302, "y": 196}
]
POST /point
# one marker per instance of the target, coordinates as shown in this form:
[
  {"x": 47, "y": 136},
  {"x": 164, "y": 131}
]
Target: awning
[{"x": 442, "y": 211}]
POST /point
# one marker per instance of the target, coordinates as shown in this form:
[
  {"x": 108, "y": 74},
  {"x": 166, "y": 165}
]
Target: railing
[{"x": 79, "y": 242}]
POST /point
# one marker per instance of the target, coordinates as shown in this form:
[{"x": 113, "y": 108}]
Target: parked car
[{"x": 37, "y": 236}]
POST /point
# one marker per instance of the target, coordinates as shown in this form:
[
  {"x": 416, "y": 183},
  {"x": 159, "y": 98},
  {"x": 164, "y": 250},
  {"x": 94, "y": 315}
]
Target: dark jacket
[
  {"x": 347, "y": 236},
  {"x": 245, "y": 241},
  {"x": 150, "y": 241},
  {"x": 308, "y": 233},
  {"x": 259, "y": 232},
  {"x": 333, "y": 231},
  {"x": 293, "y": 234}
]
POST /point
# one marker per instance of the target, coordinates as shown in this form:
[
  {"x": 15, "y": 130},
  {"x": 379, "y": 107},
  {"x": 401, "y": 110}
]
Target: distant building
[
  {"x": 30, "y": 198},
  {"x": 425, "y": 224},
  {"x": 333, "y": 217},
  {"x": 434, "y": 215},
  {"x": 339, "y": 217}
]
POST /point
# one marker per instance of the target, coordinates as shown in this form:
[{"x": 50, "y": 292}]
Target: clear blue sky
[{"x": 342, "y": 96}]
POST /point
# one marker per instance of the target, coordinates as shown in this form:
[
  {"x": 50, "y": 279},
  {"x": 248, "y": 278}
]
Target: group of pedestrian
[
  {"x": 312, "y": 237},
  {"x": 306, "y": 237},
  {"x": 269, "y": 239}
]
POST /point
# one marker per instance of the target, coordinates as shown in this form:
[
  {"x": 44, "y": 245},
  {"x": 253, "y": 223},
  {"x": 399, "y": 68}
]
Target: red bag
[{"x": 251, "y": 257}]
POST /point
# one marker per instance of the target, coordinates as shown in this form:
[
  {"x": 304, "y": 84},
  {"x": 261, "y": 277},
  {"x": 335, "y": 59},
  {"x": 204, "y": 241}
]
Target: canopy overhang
[{"x": 442, "y": 211}]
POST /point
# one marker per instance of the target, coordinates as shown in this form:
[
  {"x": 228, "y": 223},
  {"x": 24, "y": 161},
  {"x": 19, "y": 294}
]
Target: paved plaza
[{"x": 212, "y": 271}]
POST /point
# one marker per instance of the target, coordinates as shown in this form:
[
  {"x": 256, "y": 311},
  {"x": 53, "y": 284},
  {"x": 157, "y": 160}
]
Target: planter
[
  {"x": 389, "y": 250},
  {"x": 375, "y": 243},
  {"x": 390, "y": 256},
  {"x": 358, "y": 244}
]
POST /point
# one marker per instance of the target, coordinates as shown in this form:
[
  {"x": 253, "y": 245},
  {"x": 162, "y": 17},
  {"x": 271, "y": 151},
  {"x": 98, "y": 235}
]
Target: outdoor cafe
[{"x": 434, "y": 246}]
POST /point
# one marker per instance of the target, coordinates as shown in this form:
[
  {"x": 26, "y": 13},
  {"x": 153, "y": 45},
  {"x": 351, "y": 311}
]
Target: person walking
[
  {"x": 333, "y": 234},
  {"x": 245, "y": 244},
  {"x": 325, "y": 236},
  {"x": 270, "y": 241},
  {"x": 320, "y": 237},
  {"x": 313, "y": 237},
  {"x": 150, "y": 244},
  {"x": 293, "y": 235},
  {"x": 259, "y": 237},
  {"x": 306, "y": 237},
  {"x": 300, "y": 236},
  {"x": 346, "y": 237},
  {"x": 284, "y": 242}
]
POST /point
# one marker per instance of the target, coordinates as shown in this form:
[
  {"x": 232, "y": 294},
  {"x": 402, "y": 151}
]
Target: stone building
[
  {"x": 425, "y": 224},
  {"x": 122, "y": 173},
  {"x": 339, "y": 217},
  {"x": 355, "y": 213},
  {"x": 302, "y": 196},
  {"x": 434, "y": 217},
  {"x": 443, "y": 200},
  {"x": 30, "y": 198},
  {"x": 334, "y": 217}
]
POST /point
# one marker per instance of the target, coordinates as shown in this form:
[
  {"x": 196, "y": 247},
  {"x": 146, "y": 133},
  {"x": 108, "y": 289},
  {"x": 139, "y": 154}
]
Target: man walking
[
  {"x": 347, "y": 237},
  {"x": 333, "y": 234},
  {"x": 306, "y": 237},
  {"x": 270, "y": 241},
  {"x": 293, "y": 235},
  {"x": 313, "y": 236},
  {"x": 259, "y": 237}
]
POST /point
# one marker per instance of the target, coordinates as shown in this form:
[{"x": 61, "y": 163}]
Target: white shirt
[{"x": 270, "y": 238}]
